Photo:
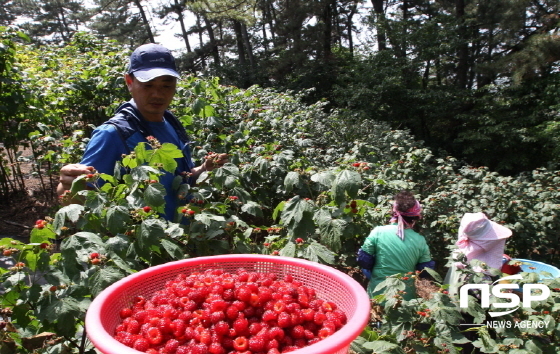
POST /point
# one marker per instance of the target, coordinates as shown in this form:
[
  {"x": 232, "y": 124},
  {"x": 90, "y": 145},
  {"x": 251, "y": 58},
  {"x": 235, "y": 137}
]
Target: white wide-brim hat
[{"x": 477, "y": 226}]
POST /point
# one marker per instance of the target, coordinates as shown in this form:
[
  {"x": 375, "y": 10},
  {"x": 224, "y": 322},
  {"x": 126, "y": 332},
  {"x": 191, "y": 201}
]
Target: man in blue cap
[{"x": 151, "y": 80}]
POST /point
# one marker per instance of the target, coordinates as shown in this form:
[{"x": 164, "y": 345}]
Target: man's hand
[
  {"x": 69, "y": 173},
  {"x": 211, "y": 161},
  {"x": 214, "y": 160}
]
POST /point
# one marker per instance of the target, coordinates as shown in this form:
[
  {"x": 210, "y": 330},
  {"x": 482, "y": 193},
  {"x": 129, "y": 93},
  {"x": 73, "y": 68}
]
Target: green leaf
[
  {"x": 346, "y": 183},
  {"x": 331, "y": 229},
  {"x": 150, "y": 233},
  {"x": 325, "y": 178},
  {"x": 291, "y": 180},
  {"x": 45, "y": 234},
  {"x": 381, "y": 346},
  {"x": 72, "y": 212},
  {"x": 357, "y": 346},
  {"x": 154, "y": 195},
  {"x": 103, "y": 277},
  {"x": 289, "y": 250},
  {"x": 298, "y": 217},
  {"x": 533, "y": 347},
  {"x": 172, "y": 249},
  {"x": 21, "y": 315},
  {"x": 64, "y": 311},
  {"x": 252, "y": 208},
  {"x": 433, "y": 274},
  {"x": 278, "y": 210},
  {"x": 118, "y": 218},
  {"x": 166, "y": 156},
  {"x": 317, "y": 252},
  {"x": 227, "y": 176}
]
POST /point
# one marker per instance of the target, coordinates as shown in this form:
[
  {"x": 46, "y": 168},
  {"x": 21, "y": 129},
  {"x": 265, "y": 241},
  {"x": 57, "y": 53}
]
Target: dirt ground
[{"x": 19, "y": 211}]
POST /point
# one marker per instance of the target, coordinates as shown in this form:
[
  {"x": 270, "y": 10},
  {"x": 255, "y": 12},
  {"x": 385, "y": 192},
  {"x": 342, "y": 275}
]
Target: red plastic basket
[{"x": 330, "y": 284}]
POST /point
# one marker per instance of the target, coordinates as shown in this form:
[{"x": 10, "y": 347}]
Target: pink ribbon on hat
[
  {"x": 463, "y": 241},
  {"x": 416, "y": 210}
]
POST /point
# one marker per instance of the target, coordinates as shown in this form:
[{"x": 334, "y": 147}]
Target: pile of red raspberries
[{"x": 216, "y": 312}]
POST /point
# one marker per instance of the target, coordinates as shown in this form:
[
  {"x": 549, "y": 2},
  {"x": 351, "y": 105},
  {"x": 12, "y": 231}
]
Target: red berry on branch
[
  {"x": 94, "y": 255},
  {"x": 147, "y": 209}
]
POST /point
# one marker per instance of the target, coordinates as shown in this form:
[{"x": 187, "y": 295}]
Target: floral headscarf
[{"x": 416, "y": 210}]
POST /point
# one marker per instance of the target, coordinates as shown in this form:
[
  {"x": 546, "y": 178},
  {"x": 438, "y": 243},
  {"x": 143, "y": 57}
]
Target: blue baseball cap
[{"x": 150, "y": 61}]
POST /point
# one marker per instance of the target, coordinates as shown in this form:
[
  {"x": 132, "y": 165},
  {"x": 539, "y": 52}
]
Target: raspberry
[
  {"x": 297, "y": 331},
  {"x": 178, "y": 327},
  {"x": 279, "y": 306},
  {"x": 328, "y": 306},
  {"x": 243, "y": 293},
  {"x": 221, "y": 328},
  {"x": 308, "y": 314},
  {"x": 216, "y": 348},
  {"x": 164, "y": 325},
  {"x": 340, "y": 315},
  {"x": 199, "y": 348},
  {"x": 154, "y": 336},
  {"x": 325, "y": 332},
  {"x": 241, "y": 325},
  {"x": 132, "y": 326},
  {"x": 126, "y": 312},
  {"x": 240, "y": 344},
  {"x": 232, "y": 312},
  {"x": 147, "y": 209},
  {"x": 256, "y": 344},
  {"x": 171, "y": 346},
  {"x": 276, "y": 333},
  {"x": 319, "y": 318},
  {"x": 141, "y": 344},
  {"x": 205, "y": 336},
  {"x": 255, "y": 328},
  {"x": 284, "y": 320},
  {"x": 300, "y": 343},
  {"x": 94, "y": 255},
  {"x": 269, "y": 315},
  {"x": 307, "y": 334}
]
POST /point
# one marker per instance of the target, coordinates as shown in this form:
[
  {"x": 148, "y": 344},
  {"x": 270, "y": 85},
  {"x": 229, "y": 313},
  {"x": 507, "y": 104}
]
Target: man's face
[{"x": 152, "y": 97}]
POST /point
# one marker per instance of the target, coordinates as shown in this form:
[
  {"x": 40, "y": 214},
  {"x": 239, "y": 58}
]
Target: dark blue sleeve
[
  {"x": 430, "y": 264},
  {"x": 365, "y": 260}
]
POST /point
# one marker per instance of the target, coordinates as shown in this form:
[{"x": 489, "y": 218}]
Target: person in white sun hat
[
  {"x": 479, "y": 238},
  {"x": 483, "y": 239}
]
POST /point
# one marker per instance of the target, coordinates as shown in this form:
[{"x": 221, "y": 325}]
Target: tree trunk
[
  {"x": 249, "y": 47},
  {"x": 463, "y": 50},
  {"x": 349, "y": 25},
  {"x": 327, "y": 30},
  {"x": 145, "y": 20},
  {"x": 201, "y": 41},
  {"x": 239, "y": 42},
  {"x": 213, "y": 43},
  {"x": 378, "y": 8},
  {"x": 179, "y": 11}
]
